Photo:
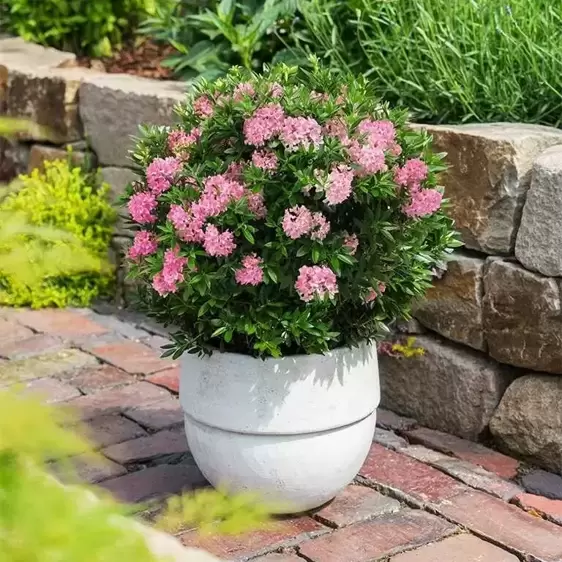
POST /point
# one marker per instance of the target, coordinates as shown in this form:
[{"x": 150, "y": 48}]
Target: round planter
[{"x": 294, "y": 431}]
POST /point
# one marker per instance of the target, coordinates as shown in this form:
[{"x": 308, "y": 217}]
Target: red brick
[
  {"x": 506, "y": 525},
  {"x": 461, "y": 548},
  {"x": 155, "y": 482},
  {"x": 417, "y": 481},
  {"x": 374, "y": 539},
  {"x": 500, "y": 464},
  {"x": 279, "y": 557},
  {"x": 282, "y": 533},
  {"x": 170, "y": 379},
  {"x": 89, "y": 470},
  {"x": 146, "y": 448},
  {"x": 551, "y": 509},
  {"x": 106, "y": 376},
  {"x": 11, "y": 331},
  {"x": 158, "y": 415},
  {"x": 27, "y": 347},
  {"x": 389, "y": 420},
  {"x": 133, "y": 357},
  {"x": 49, "y": 391},
  {"x": 63, "y": 323},
  {"x": 355, "y": 503},
  {"x": 110, "y": 430},
  {"x": 116, "y": 400}
]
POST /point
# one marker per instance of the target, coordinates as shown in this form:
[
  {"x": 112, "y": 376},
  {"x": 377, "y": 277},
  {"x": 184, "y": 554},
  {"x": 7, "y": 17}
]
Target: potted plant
[{"x": 282, "y": 224}]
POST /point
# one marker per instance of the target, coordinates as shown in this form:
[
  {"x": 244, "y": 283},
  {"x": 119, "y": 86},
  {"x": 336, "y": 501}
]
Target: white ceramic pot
[{"x": 295, "y": 430}]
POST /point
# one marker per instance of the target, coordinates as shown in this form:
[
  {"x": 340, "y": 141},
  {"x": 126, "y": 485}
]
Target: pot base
[{"x": 288, "y": 473}]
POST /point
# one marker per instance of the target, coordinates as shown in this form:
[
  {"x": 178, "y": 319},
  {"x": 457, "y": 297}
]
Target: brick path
[{"x": 422, "y": 495}]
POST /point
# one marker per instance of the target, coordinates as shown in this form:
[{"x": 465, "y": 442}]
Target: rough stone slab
[
  {"x": 17, "y": 53},
  {"x": 543, "y": 483},
  {"x": 284, "y": 533},
  {"x": 491, "y": 460},
  {"x": 105, "y": 431},
  {"x": 13, "y": 158},
  {"x": 380, "y": 537},
  {"x": 112, "y": 106},
  {"x": 278, "y": 557},
  {"x": 87, "y": 468},
  {"x": 453, "y": 306},
  {"x": 391, "y": 421},
  {"x": 522, "y": 317},
  {"x": 170, "y": 379},
  {"x": 408, "y": 478},
  {"x": 528, "y": 420},
  {"x": 158, "y": 415},
  {"x": 489, "y": 175},
  {"x": 48, "y": 390},
  {"x": 539, "y": 240},
  {"x": 28, "y": 347},
  {"x": 60, "y": 322},
  {"x": 40, "y": 153},
  {"x": 104, "y": 377},
  {"x": 547, "y": 508},
  {"x": 118, "y": 179},
  {"x": 11, "y": 331},
  {"x": 505, "y": 524},
  {"x": 354, "y": 504},
  {"x": 450, "y": 387},
  {"x": 460, "y": 548},
  {"x": 389, "y": 439}
]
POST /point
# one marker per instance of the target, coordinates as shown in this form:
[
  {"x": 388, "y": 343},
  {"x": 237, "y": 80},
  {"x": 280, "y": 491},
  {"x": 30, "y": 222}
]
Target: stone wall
[
  {"x": 492, "y": 325},
  {"x": 95, "y": 113}
]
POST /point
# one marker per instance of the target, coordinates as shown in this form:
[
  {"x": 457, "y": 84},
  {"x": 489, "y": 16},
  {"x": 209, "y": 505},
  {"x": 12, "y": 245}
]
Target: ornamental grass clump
[{"x": 286, "y": 213}]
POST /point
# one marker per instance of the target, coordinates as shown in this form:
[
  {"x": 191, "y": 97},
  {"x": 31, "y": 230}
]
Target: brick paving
[{"x": 421, "y": 496}]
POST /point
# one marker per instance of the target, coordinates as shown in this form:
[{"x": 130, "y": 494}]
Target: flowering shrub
[{"x": 286, "y": 213}]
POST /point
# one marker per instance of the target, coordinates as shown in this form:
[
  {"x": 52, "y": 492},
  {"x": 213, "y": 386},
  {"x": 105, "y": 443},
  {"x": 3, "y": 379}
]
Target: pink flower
[
  {"x": 380, "y": 134},
  {"x": 203, "y": 107},
  {"x": 161, "y": 173},
  {"x": 423, "y": 202},
  {"x": 234, "y": 171},
  {"x": 242, "y": 90},
  {"x": 338, "y": 186},
  {"x": 179, "y": 141},
  {"x": 372, "y": 293},
  {"x": 300, "y": 132},
  {"x": 188, "y": 225},
  {"x": 217, "y": 193},
  {"x": 276, "y": 90},
  {"x": 264, "y": 159},
  {"x": 369, "y": 158},
  {"x": 320, "y": 226},
  {"x": 412, "y": 173},
  {"x": 178, "y": 216},
  {"x": 218, "y": 243},
  {"x": 251, "y": 273},
  {"x": 256, "y": 205},
  {"x": 266, "y": 122},
  {"x": 141, "y": 206},
  {"x": 144, "y": 244},
  {"x": 172, "y": 272},
  {"x": 337, "y": 128},
  {"x": 316, "y": 281},
  {"x": 297, "y": 221},
  {"x": 351, "y": 242}
]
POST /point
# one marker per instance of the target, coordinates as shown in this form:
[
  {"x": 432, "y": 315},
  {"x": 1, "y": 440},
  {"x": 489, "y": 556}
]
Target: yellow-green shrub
[{"x": 56, "y": 228}]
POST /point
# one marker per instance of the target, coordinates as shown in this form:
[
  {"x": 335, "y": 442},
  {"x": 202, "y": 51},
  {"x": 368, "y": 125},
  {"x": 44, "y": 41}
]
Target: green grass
[{"x": 449, "y": 60}]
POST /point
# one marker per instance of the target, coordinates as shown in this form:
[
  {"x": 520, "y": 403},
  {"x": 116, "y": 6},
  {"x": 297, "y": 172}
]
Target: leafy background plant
[
  {"x": 55, "y": 229},
  {"x": 85, "y": 27},
  {"x": 211, "y": 36},
  {"x": 448, "y": 61}
]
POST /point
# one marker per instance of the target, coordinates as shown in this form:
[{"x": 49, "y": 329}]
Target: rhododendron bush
[{"x": 285, "y": 213}]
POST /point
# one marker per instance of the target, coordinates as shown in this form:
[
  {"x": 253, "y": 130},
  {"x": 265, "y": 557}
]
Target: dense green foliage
[
  {"x": 217, "y": 250},
  {"x": 54, "y": 238},
  {"x": 448, "y": 60},
  {"x": 42, "y": 521},
  {"x": 210, "y": 36},
  {"x": 85, "y": 27}
]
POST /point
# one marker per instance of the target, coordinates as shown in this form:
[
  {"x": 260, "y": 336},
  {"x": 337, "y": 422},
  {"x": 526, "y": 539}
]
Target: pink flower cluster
[
  {"x": 141, "y": 207},
  {"x": 256, "y": 205},
  {"x": 166, "y": 281},
  {"x": 338, "y": 186},
  {"x": 372, "y": 293},
  {"x": 161, "y": 173},
  {"x": 337, "y": 128},
  {"x": 203, "y": 107},
  {"x": 245, "y": 89},
  {"x": 251, "y": 272},
  {"x": 266, "y": 122},
  {"x": 276, "y": 90},
  {"x": 300, "y": 132},
  {"x": 264, "y": 159},
  {"x": 422, "y": 202},
  {"x": 412, "y": 174},
  {"x": 298, "y": 221},
  {"x": 179, "y": 142},
  {"x": 351, "y": 242},
  {"x": 216, "y": 243},
  {"x": 380, "y": 134},
  {"x": 316, "y": 281},
  {"x": 144, "y": 244}
]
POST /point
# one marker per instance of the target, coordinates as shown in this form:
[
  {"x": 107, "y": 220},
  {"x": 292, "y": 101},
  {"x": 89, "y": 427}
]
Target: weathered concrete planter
[{"x": 294, "y": 430}]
